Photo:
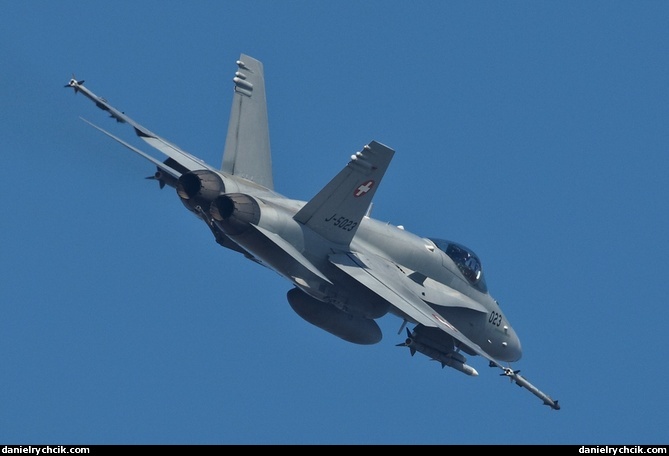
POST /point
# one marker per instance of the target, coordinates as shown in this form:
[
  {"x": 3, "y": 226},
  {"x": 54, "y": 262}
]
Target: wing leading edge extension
[{"x": 384, "y": 278}]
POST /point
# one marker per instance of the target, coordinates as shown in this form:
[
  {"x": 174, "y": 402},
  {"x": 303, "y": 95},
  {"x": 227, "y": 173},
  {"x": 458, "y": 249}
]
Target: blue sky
[{"x": 535, "y": 133}]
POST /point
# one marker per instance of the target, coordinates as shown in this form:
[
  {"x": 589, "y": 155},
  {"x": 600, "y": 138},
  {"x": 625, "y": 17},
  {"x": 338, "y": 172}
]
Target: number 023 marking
[{"x": 495, "y": 319}]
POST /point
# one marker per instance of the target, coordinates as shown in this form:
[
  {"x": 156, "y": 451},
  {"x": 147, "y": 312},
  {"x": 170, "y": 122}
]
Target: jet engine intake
[
  {"x": 234, "y": 212},
  {"x": 350, "y": 328}
]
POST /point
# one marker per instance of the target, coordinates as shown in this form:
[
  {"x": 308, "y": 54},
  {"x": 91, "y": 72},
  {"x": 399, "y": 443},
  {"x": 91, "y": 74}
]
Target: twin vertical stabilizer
[
  {"x": 247, "y": 150},
  {"x": 338, "y": 209}
]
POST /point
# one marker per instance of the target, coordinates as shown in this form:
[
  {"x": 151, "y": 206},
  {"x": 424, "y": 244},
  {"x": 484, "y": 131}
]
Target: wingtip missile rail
[{"x": 100, "y": 102}]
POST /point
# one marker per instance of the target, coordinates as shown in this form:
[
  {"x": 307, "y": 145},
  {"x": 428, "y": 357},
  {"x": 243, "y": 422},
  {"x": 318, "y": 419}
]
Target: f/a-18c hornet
[{"x": 346, "y": 268}]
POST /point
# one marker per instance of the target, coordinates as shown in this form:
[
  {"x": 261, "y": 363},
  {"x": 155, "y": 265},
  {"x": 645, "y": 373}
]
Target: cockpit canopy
[{"x": 468, "y": 262}]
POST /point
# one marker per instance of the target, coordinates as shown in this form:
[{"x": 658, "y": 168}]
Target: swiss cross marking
[{"x": 363, "y": 189}]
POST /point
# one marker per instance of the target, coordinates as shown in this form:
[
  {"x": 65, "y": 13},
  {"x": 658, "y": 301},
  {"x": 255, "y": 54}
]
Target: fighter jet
[{"x": 346, "y": 268}]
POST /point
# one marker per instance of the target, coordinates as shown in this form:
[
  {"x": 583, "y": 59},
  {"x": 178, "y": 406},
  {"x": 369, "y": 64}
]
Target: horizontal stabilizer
[{"x": 288, "y": 248}]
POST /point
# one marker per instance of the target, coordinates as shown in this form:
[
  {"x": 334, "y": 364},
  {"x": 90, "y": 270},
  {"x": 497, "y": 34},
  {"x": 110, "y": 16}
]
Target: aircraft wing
[
  {"x": 386, "y": 280},
  {"x": 183, "y": 160},
  {"x": 291, "y": 251},
  {"x": 165, "y": 167}
]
